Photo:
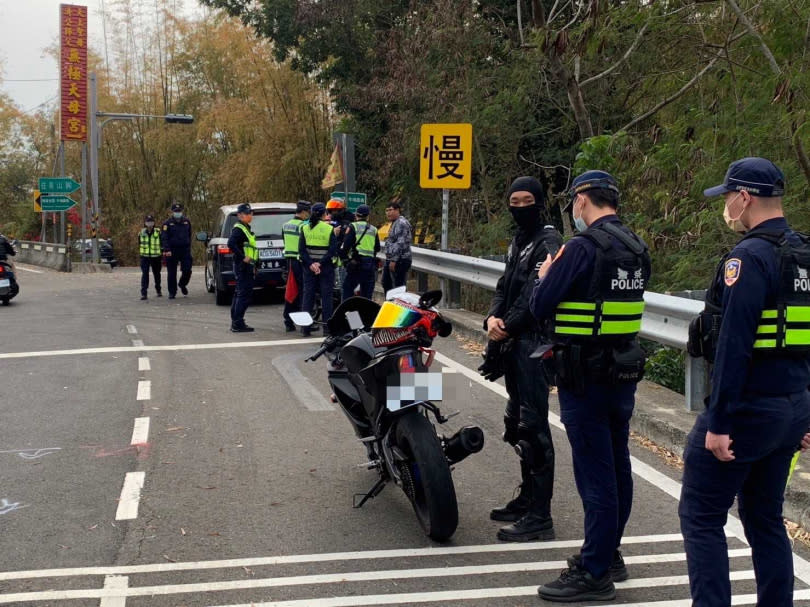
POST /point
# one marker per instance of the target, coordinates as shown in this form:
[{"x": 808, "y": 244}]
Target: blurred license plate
[
  {"x": 5, "y": 282},
  {"x": 271, "y": 254}
]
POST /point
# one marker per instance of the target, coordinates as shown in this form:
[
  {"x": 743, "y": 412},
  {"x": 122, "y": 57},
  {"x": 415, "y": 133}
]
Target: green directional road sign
[
  {"x": 52, "y": 204},
  {"x": 355, "y": 199},
  {"x": 58, "y": 185}
]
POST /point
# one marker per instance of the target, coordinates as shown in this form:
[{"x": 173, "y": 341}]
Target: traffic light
[{"x": 179, "y": 118}]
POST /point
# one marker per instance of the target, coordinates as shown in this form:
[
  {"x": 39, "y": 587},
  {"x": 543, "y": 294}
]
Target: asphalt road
[{"x": 150, "y": 457}]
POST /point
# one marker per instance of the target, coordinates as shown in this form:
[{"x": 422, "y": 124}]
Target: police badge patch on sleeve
[{"x": 732, "y": 271}]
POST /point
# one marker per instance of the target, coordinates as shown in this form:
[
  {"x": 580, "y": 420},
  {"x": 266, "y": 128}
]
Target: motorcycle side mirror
[
  {"x": 396, "y": 292},
  {"x": 428, "y": 299},
  {"x": 302, "y": 319}
]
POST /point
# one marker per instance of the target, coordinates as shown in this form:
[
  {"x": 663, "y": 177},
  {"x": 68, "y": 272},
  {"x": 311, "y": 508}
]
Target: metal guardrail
[{"x": 665, "y": 321}]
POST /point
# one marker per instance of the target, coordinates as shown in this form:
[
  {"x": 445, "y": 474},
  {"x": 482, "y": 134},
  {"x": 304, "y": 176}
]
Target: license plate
[
  {"x": 5, "y": 282},
  {"x": 270, "y": 254},
  {"x": 413, "y": 388}
]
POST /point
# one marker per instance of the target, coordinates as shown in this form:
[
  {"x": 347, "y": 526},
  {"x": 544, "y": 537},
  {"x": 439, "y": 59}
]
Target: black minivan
[{"x": 268, "y": 217}]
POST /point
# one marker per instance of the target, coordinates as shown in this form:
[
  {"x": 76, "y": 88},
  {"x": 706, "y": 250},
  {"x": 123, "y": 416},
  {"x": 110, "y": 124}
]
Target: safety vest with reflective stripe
[
  {"x": 292, "y": 234},
  {"x": 149, "y": 244},
  {"x": 250, "y": 246},
  {"x": 317, "y": 239},
  {"x": 365, "y": 245},
  {"x": 595, "y": 319}
]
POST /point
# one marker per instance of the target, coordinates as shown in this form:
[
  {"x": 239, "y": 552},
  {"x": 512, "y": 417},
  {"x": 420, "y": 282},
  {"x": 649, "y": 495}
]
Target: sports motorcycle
[{"x": 379, "y": 359}]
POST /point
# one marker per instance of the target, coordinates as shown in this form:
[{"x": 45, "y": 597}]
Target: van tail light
[{"x": 223, "y": 249}]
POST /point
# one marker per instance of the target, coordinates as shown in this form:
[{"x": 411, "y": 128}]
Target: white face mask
[
  {"x": 177, "y": 215},
  {"x": 579, "y": 222},
  {"x": 734, "y": 224},
  {"x": 150, "y": 224}
]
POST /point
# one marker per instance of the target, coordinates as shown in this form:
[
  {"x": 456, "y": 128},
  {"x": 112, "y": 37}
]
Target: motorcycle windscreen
[
  {"x": 412, "y": 384},
  {"x": 395, "y": 316},
  {"x": 368, "y": 310}
]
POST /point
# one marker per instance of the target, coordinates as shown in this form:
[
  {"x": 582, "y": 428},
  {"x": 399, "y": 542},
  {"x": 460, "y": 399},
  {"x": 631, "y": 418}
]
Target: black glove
[{"x": 493, "y": 366}]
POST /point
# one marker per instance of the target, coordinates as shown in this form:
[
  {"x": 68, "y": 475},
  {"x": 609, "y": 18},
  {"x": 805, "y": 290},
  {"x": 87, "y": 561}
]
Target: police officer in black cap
[
  {"x": 358, "y": 253},
  {"x": 150, "y": 253},
  {"x": 176, "y": 243},
  {"x": 318, "y": 248},
  {"x": 509, "y": 321},
  {"x": 242, "y": 244},
  {"x": 591, "y": 297},
  {"x": 756, "y": 330}
]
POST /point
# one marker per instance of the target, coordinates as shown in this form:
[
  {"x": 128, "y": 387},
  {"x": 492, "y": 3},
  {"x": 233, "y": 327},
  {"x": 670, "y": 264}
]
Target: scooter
[
  {"x": 8, "y": 283},
  {"x": 379, "y": 360}
]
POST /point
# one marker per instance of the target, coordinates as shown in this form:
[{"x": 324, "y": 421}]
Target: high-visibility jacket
[
  {"x": 149, "y": 244},
  {"x": 251, "y": 251},
  {"x": 364, "y": 245},
  {"x": 292, "y": 234},
  {"x": 615, "y": 302},
  {"x": 317, "y": 239}
]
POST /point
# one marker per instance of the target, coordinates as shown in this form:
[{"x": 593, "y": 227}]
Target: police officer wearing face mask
[
  {"x": 510, "y": 326},
  {"x": 318, "y": 249},
  {"x": 149, "y": 249},
  {"x": 242, "y": 243},
  {"x": 756, "y": 330},
  {"x": 591, "y": 297},
  {"x": 176, "y": 243}
]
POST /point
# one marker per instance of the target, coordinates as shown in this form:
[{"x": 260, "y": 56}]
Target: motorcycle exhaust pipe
[{"x": 468, "y": 440}]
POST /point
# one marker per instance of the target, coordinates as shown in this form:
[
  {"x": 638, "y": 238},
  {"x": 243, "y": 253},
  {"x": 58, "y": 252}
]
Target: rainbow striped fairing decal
[{"x": 395, "y": 316}]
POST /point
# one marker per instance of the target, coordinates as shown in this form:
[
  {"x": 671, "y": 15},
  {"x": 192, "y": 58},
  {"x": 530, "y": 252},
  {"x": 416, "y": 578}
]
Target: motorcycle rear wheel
[{"x": 431, "y": 489}]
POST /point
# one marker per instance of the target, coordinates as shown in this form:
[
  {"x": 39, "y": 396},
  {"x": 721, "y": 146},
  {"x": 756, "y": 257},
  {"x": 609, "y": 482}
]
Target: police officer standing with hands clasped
[
  {"x": 149, "y": 250},
  {"x": 515, "y": 334},
  {"x": 242, "y": 243},
  {"x": 318, "y": 249},
  {"x": 756, "y": 329},
  {"x": 591, "y": 297},
  {"x": 176, "y": 242}
]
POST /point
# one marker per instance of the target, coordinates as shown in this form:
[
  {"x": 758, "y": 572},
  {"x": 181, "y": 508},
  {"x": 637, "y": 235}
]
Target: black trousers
[
  {"x": 147, "y": 264},
  {"x": 398, "y": 277},
  {"x": 243, "y": 293},
  {"x": 526, "y": 422},
  {"x": 183, "y": 257}
]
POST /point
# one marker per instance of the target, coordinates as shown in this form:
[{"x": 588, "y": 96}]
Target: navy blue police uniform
[
  {"x": 315, "y": 245},
  {"x": 291, "y": 232},
  {"x": 176, "y": 239},
  {"x": 242, "y": 244},
  {"x": 359, "y": 260},
  {"x": 591, "y": 300},
  {"x": 756, "y": 330}
]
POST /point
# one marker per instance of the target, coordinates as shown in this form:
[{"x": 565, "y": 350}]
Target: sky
[{"x": 27, "y": 28}]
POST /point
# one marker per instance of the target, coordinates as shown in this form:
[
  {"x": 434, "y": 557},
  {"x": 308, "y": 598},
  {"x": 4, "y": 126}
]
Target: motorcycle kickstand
[{"x": 373, "y": 492}]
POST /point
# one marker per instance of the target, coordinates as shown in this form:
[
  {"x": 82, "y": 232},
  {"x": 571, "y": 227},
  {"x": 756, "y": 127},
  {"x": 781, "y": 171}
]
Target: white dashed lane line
[
  {"x": 144, "y": 364},
  {"x": 144, "y": 389},
  {"x": 130, "y": 496},
  {"x": 140, "y": 432}
]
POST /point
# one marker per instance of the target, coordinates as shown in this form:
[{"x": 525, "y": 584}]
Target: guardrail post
[
  {"x": 421, "y": 282},
  {"x": 697, "y": 383},
  {"x": 453, "y": 294}
]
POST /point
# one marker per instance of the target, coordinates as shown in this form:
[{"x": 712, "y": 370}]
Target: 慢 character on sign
[
  {"x": 428, "y": 155},
  {"x": 452, "y": 156}
]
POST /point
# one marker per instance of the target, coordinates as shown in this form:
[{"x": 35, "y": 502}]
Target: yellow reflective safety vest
[
  {"x": 149, "y": 244},
  {"x": 317, "y": 239},
  {"x": 292, "y": 235},
  {"x": 612, "y": 309},
  {"x": 250, "y": 246},
  {"x": 364, "y": 234}
]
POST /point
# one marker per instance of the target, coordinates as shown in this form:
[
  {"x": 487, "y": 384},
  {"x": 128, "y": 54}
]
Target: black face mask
[{"x": 527, "y": 218}]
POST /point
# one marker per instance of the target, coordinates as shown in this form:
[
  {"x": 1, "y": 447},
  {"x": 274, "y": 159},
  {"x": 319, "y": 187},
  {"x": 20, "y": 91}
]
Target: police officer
[
  {"x": 176, "y": 242},
  {"x": 242, "y": 244},
  {"x": 591, "y": 297},
  {"x": 318, "y": 248},
  {"x": 290, "y": 231},
  {"x": 754, "y": 328},
  {"x": 358, "y": 252},
  {"x": 149, "y": 250},
  {"x": 526, "y": 416}
]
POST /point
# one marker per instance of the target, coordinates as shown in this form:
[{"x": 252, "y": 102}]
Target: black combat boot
[
  {"x": 576, "y": 584},
  {"x": 513, "y": 510},
  {"x": 536, "y": 523}
]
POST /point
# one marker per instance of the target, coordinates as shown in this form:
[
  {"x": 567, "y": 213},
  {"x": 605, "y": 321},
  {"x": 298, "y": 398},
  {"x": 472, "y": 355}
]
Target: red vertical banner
[{"x": 73, "y": 71}]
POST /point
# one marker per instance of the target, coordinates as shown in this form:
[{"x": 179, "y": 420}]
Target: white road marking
[
  {"x": 176, "y": 348},
  {"x": 144, "y": 390},
  {"x": 130, "y": 496},
  {"x": 140, "y": 432},
  {"x": 364, "y": 576},
  {"x": 307, "y": 394},
  {"x": 137, "y": 343},
  {"x": 144, "y": 364},
  {"x": 27, "y": 269},
  {"x": 132, "y": 330},
  {"x": 323, "y": 557},
  {"x": 801, "y": 567},
  {"x": 116, "y": 583}
]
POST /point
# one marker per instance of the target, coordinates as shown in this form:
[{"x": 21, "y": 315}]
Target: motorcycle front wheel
[{"x": 426, "y": 477}]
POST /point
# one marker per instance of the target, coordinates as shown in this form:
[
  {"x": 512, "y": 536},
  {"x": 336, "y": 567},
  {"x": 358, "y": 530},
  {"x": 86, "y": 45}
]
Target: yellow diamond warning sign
[{"x": 445, "y": 159}]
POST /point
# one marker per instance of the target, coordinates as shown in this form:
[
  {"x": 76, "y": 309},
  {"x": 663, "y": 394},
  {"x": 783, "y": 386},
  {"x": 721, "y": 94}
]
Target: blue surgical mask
[
  {"x": 177, "y": 215},
  {"x": 579, "y": 223}
]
